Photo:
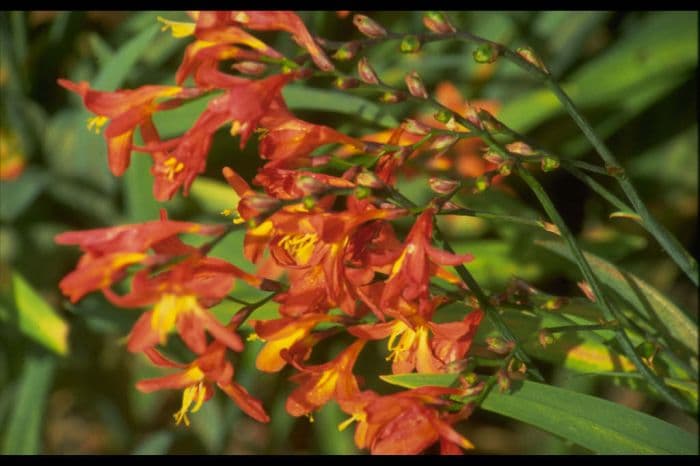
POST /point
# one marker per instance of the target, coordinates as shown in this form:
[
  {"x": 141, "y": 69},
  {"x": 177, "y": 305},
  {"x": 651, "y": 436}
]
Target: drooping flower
[
  {"x": 109, "y": 251},
  {"x": 411, "y": 272},
  {"x": 125, "y": 110},
  {"x": 280, "y": 335},
  {"x": 284, "y": 21},
  {"x": 180, "y": 297},
  {"x": 197, "y": 381},
  {"x": 178, "y": 161},
  {"x": 406, "y": 423},
  {"x": 319, "y": 384}
]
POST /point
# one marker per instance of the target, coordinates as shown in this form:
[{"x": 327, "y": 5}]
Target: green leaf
[
  {"x": 16, "y": 196},
  {"x": 23, "y": 435},
  {"x": 599, "y": 425},
  {"x": 141, "y": 206},
  {"x": 639, "y": 294},
  {"x": 20, "y": 303},
  {"x": 305, "y": 98},
  {"x": 660, "y": 51},
  {"x": 214, "y": 196}
]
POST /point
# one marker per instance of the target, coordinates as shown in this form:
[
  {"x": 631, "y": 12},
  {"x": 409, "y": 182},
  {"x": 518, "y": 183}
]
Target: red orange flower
[
  {"x": 197, "y": 380},
  {"x": 109, "y": 251},
  {"x": 406, "y": 423},
  {"x": 126, "y": 109},
  {"x": 320, "y": 384},
  {"x": 411, "y": 272}
]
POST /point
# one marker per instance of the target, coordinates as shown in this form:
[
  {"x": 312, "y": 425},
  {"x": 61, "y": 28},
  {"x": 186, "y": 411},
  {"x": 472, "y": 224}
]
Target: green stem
[
  {"x": 597, "y": 187},
  {"x": 491, "y": 312},
  {"x": 608, "y": 311},
  {"x": 489, "y": 215},
  {"x": 684, "y": 260}
]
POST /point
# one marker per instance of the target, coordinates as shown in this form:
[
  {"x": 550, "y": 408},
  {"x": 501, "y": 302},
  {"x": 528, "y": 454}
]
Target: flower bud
[
  {"x": 369, "y": 179},
  {"x": 309, "y": 184},
  {"x": 449, "y": 205},
  {"x": 481, "y": 184},
  {"x": 614, "y": 170},
  {"x": 549, "y": 164},
  {"x": 545, "y": 338},
  {"x": 362, "y": 192},
  {"x": 442, "y": 186},
  {"x": 491, "y": 123},
  {"x": 309, "y": 202},
  {"x": 529, "y": 56},
  {"x": 520, "y": 148},
  {"x": 443, "y": 141},
  {"x": 252, "y": 68},
  {"x": 367, "y": 74},
  {"x": 415, "y": 85},
  {"x": 262, "y": 203},
  {"x": 346, "y": 83},
  {"x": 443, "y": 116},
  {"x": 410, "y": 44},
  {"x": 416, "y": 127},
  {"x": 473, "y": 116},
  {"x": 371, "y": 147},
  {"x": 587, "y": 290},
  {"x": 346, "y": 51},
  {"x": 486, "y": 53},
  {"x": 437, "y": 22},
  {"x": 368, "y": 26},
  {"x": 554, "y": 304},
  {"x": 516, "y": 369},
  {"x": 392, "y": 97},
  {"x": 493, "y": 157},
  {"x": 499, "y": 346},
  {"x": 506, "y": 168},
  {"x": 503, "y": 381}
]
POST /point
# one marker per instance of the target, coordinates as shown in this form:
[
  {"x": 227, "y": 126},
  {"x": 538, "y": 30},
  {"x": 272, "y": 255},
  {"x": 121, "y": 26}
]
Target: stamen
[{"x": 96, "y": 123}]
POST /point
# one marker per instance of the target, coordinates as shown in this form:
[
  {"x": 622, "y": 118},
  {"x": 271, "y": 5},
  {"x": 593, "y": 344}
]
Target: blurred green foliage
[{"x": 66, "y": 380}]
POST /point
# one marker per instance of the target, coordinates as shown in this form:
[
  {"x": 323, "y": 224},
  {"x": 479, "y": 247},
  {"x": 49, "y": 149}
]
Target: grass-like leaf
[{"x": 599, "y": 425}]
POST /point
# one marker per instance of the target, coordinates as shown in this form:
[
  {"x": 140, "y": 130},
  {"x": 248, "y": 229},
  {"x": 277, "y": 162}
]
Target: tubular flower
[
  {"x": 180, "y": 297},
  {"x": 197, "y": 381},
  {"x": 415, "y": 342},
  {"x": 177, "y": 162},
  {"x": 320, "y": 384},
  {"x": 126, "y": 109},
  {"x": 284, "y": 21},
  {"x": 314, "y": 250},
  {"x": 406, "y": 423},
  {"x": 282, "y": 334},
  {"x": 109, "y": 251},
  {"x": 288, "y": 141},
  {"x": 295, "y": 184},
  {"x": 411, "y": 272}
]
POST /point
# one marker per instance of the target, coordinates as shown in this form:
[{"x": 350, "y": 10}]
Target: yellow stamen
[
  {"x": 177, "y": 28},
  {"x": 300, "y": 247},
  {"x": 254, "y": 337},
  {"x": 168, "y": 309},
  {"x": 193, "y": 393},
  {"x": 404, "y": 344},
  {"x": 361, "y": 417},
  {"x": 172, "y": 167},
  {"x": 235, "y": 127},
  {"x": 96, "y": 123}
]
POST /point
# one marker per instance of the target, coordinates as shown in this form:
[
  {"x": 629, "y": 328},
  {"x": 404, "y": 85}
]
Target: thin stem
[
  {"x": 491, "y": 312},
  {"x": 608, "y": 311},
  {"x": 492, "y": 216}
]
